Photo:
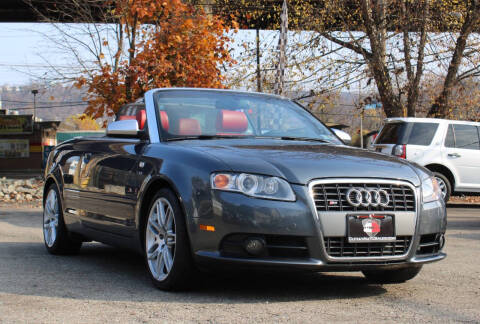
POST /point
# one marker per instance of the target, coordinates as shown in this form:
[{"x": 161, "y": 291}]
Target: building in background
[{"x": 22, "y": 142}]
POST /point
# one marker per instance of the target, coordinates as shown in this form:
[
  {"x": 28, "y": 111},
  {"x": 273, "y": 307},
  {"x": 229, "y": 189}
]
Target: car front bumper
[
  {"x": 233, "y": 213},
  {"x": 214, "y": 259}
]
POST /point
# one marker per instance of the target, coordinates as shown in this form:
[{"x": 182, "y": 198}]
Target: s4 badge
[{"x": 371, "y": 226}]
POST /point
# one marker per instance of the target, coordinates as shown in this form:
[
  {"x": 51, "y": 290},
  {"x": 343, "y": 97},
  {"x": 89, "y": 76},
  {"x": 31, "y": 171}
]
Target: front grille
[
  {"x": 340, "y": 248},
  {"x": 332, "y": 197},
  {"x": 277, "y": 246}
]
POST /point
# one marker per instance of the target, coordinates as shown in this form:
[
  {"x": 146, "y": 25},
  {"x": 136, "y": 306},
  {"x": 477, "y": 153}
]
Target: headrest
[
  {"x": 189, "y": 126},
  {"x": 232, "y": 121},
  {"x": 141, "y": 118},
  {"x": 125, "y": 117},
  {"x": 164, "y": 120}
]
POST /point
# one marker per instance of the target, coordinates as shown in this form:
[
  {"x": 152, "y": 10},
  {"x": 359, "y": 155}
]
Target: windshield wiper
[
  {"x": 206, "y": 137},
  {"x": 209, "y": 137},
  {"x": 291, "y": 138}
]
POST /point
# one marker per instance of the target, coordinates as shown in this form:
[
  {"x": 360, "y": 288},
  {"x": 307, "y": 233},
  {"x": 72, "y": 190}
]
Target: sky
[
  {"x": 21, "y": 44},
  {"x": 24, "y": 44}
]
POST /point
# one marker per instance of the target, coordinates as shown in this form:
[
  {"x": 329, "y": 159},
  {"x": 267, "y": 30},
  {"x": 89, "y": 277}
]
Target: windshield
[{"x": 203, "y": 113}]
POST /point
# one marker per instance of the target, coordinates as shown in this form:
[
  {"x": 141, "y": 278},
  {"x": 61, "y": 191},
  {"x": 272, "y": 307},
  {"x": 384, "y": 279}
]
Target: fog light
[
  {"x": 441, "y": 241},
  {"x": 254, "y": 245}
]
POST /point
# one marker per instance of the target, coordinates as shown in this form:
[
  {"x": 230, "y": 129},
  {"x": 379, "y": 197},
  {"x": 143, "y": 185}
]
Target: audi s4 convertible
[{"x": 217, "y": 178}]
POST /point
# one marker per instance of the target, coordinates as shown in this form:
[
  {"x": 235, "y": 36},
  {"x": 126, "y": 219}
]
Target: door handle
[{"x": 454, "y": 155}]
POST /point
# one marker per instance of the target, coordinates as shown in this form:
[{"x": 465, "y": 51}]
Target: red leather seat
[
  {"x": 189, "y": 126},
  {"x": 164, "y": 120},
  {"x": 141, "y": 118},
  {"x": 229, "y": 121},
  {"x": 126, "y": 117}
]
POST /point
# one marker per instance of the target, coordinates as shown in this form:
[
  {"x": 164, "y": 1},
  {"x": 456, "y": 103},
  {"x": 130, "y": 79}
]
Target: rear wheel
[
  {"x": 167, "y": 249},
  {"x": 55, "y": 233},
  {"x": 444, "y": 184},
  {"x": 391, "y": 276}
]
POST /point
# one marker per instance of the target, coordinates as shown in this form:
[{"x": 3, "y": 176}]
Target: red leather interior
[
  {"x": 141, "y": 118},
  {"x": 232, "y": 121},
  {"x": 126, "y": 117},
  {"x": 189, "y": 126},
  {"x": 164, "y": 120}
]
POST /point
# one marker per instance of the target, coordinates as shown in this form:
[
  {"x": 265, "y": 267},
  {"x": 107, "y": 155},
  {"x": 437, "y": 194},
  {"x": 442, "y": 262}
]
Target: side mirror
[{"x": 127, "y": 127}]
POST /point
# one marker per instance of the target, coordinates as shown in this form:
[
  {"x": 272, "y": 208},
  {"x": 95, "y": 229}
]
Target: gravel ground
[{"x": 104, "y": 284}]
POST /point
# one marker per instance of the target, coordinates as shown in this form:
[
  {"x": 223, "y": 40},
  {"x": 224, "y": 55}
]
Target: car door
[
  {"x": 421, "y": 142},
  {"x": 105, "y": 178},
  {"x": 462, "y": 154}
]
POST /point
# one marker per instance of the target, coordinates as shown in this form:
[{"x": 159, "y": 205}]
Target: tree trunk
[
  {"x": 413, "y": 79},
  {"x": 440, "y": 108},
  {"x": 131, "y": 57},
  {"x": 376, "y": 28},
  {"x": 391, "y": 105}
]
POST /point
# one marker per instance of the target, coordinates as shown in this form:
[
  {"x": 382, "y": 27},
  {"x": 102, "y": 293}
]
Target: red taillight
[{"x": 400, "y": 151}]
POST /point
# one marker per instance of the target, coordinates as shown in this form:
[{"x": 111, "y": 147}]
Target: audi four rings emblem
[{"x": 367, "y": 197}]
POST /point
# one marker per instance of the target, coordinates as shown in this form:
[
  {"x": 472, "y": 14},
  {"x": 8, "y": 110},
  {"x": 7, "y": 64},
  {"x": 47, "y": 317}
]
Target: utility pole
[
  {"x": 34, "y": 92},
  {"x": 362, "y": 113},
  {"x": 259, "y": 76},
  {"x": 282, "y": 48}
]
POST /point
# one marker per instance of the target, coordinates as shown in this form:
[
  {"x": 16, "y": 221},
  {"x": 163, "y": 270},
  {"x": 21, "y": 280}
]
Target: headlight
[
  {"x": 253, "y": 185},
  {"x": 431, "y": 190}
]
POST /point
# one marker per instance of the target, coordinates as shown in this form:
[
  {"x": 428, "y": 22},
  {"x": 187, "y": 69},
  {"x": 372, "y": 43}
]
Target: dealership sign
[{"x": 16, "y": 124}]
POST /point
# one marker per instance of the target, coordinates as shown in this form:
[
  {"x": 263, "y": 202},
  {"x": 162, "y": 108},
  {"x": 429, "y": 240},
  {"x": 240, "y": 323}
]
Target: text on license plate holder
[{"x": 370, "y": 228}]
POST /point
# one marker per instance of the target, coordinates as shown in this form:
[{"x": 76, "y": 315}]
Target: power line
[
  {"x": 41, "y": 66},
  {"x": 45, "y": 102},
  {"x": 47, "y": 107}
]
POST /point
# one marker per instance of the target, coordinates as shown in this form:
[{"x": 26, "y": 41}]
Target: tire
[
  {"x": 167, "y": 249},
  {"x": 55, "y": 234},
  {"x": 446, "y": 186},
  {"x": 391, "y": 276}
]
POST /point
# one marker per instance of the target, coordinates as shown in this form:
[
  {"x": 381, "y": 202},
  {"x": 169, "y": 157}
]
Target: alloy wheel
[
  {"x": 160, "y": 239},
  {"x": 50, "y": 218},
  {"x": 443, "y": 186}
]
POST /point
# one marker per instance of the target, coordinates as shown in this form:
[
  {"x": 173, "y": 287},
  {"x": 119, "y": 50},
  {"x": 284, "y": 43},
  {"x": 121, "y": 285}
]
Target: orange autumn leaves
[{"x": 171, "y": 44}]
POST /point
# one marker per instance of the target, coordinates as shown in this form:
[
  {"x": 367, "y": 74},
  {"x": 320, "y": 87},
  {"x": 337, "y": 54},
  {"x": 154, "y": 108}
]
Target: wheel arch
[
  {"x": 149, "y": 190},
  {"x": 48, "y": 182},
  {"x": 435, "y": 167}
]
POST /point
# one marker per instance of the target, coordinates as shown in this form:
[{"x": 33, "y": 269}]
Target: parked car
[
  {"x": 344, "y": 136},
  {"x": 338, "y": 129},
  {"x": 238, "y": 179},
  {"x": 448, "y": 148}
]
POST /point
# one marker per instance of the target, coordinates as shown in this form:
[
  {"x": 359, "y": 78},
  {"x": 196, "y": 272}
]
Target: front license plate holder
[{"x": 362, "y": 228}]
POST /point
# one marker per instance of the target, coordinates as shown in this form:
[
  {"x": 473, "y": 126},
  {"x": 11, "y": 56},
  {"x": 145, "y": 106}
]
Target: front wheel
[
  {"x": 444, "y": 184},
  {"x": 55, "y": 234},
  {"x": 167, "y": 249},
  {"x": 391, "y": 276}
]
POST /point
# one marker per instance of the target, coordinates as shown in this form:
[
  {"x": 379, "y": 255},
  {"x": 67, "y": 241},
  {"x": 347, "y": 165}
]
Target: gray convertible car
[{"x": 203, "y": 178}]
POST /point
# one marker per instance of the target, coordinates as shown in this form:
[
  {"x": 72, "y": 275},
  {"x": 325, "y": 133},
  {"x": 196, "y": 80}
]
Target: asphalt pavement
[{"x": 107, "y": 285}]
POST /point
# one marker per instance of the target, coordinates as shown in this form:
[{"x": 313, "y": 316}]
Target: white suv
[{"x": 448, "y": 148}]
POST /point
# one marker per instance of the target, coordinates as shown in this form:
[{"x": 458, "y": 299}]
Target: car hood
[{"x": 301, "y": 161}]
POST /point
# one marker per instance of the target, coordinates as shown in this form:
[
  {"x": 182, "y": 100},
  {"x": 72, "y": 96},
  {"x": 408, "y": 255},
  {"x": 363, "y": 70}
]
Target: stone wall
[{"x": 14, "y": 190}]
